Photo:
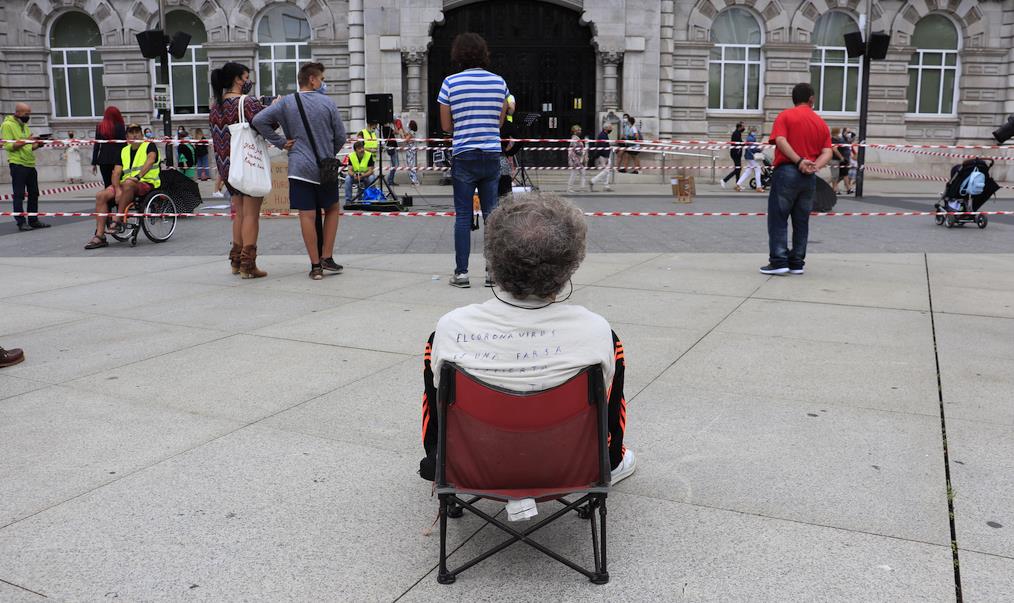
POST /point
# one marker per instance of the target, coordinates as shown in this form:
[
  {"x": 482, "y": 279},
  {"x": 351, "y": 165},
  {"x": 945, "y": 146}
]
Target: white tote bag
[{"x": 249, "y": 165}]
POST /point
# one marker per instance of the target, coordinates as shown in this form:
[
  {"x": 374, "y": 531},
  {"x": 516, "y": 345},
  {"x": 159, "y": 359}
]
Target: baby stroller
[
  {"x": 765, "y": 172},
  {"x": 969, "y": 187}
]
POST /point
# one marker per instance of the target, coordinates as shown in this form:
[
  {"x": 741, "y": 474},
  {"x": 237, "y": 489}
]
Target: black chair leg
[
  {"x": 443, "y": 576},
  {"x": 454, "y": 510},
  {"x": 601, "y": 572}
]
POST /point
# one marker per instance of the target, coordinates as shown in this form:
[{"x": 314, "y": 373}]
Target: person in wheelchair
[
  {"x": 360, "y": 169},
  {"x": 136, "y": 175},
  {"x": 526, "y": 339}
]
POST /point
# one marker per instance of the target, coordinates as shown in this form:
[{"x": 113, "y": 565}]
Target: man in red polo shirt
[{"x": 802, "y": 148}]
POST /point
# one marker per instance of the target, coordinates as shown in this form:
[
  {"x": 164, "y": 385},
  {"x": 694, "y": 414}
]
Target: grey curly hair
[{"x": 534, "y": 244}]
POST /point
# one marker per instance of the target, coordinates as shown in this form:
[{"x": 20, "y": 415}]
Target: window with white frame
[
  {"x": 734, "y": 68},
  {"x": 933, "y": 68},
  {"x": 76, "y": 66},
  {"x": 833, "y": 75},
  {"x": 189, "y": 88},
  {"x": 283, "y": 36}
]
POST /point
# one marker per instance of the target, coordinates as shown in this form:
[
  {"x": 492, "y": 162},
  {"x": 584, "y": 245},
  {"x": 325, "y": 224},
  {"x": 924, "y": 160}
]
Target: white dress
[{"x": 72, "y": 156}]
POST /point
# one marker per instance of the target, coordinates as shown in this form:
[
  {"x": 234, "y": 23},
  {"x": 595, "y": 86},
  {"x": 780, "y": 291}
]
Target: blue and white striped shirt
[{"x": 476, "y": 98}]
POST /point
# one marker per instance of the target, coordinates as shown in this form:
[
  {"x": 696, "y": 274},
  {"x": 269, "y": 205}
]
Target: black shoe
[
  {"x": 23, "y": 227},
  {"x": 329, "y": 264},
  {"x": 798, "y": 270},
  {"x": 428, "y": 468},
  {"x": 38, "y": 224},
  {"x": 769, "y": 269}
]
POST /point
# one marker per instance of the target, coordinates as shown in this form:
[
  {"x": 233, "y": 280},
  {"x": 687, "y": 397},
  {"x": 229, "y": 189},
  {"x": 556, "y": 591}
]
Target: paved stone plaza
[{"x": 177, "y": 433}]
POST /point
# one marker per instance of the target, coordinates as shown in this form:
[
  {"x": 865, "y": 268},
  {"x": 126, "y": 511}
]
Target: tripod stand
[{"x": 390, "y": 199}]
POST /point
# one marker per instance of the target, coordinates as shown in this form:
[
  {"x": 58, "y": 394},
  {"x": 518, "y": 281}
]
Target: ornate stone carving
[{"x": 413, "y": 60}]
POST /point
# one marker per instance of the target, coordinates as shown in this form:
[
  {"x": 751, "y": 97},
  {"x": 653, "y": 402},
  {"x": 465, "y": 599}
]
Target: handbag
[
  {"x": 249, "y": 165},
  {"x": 330, "y": 168}
]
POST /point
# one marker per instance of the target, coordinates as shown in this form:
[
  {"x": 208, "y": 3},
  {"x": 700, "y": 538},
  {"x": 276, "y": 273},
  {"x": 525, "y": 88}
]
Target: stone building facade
[{"x": 663, "y": 61}]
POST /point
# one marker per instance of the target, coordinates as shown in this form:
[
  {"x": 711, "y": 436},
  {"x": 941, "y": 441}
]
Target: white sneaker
[
  {"x": 625, "y": 468},
  {"x": 218, "y": 194},
  {"x": 460, "y": 280},
  {"x": 722, "y": 182}
]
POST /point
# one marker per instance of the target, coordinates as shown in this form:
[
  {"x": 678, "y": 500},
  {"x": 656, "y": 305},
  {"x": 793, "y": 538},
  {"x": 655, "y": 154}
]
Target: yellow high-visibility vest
[
  {"x": 369, "y": 140},
  {"x": 360, "y": 166},
  {"x": 132, "y": 165}
]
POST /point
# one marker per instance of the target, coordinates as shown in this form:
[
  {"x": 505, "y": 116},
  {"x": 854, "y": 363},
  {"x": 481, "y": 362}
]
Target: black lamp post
[{"x": 156, "y": 44}]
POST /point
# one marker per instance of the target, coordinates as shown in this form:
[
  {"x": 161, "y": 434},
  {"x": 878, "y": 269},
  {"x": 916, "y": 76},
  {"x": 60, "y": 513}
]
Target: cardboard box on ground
[
  {"x": 278, "y": 198},
  {"x": 683, "y": 188}
]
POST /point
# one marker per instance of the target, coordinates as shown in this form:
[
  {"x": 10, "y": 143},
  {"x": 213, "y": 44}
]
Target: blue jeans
[
  {"x": 202, "y": 167},
  {"x": 25, "y": 179},
  {"x": 791, "y": 196},
  {"x": 471, "y": 170},
  {"x": 367, "y": 183},
  {"x": 393, "y": 156}
]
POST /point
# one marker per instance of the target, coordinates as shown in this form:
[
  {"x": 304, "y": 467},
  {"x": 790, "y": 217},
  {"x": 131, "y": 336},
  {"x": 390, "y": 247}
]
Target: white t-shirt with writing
[{"x": 523, "y": 349}]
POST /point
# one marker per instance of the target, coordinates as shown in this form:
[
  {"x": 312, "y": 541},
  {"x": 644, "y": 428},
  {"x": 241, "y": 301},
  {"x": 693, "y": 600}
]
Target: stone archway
[
  {"x": 40, "y": 15},
  {"x": 805, "y": 19},
  {"x": 244, "y": 18},
  {"x": 144, "y": 12},
  {"x": 967, "y": 16},
  {"x": 773, "y": 18}
]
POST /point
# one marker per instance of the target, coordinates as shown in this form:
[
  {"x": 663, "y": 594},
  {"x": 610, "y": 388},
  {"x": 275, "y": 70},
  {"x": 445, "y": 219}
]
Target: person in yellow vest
[
  {"x": 21, "y": 157},
  {"x": 360, "y": 169},
  {"x": 135, "y": 175},
  {"x": 369, "y": 136}
]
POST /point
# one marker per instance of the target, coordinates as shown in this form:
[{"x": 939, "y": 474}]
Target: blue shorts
[{"x": 305, "y": 195}]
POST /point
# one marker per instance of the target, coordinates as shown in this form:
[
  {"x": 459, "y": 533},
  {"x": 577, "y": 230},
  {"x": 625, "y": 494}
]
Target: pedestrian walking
[
  {"x": 106, "y": 155},
  {"x": 603, "y": 158},
  {"x": 735, "y": 153},
  {"x": 229, "y": 84},
  {"x": 633, "y": 152},
  {"x": 753, "y": 166},
  {"x": 21, "y": 157},
  {"x": 72, "y": 161},
  {"x": 187, "y": 154},
  {"x": 473, "y": 106},
  {"x": 412, "y": 152},
  {"x": 802, "y": 148},
  {"x": 201, "y": 151},
  {"x": 577, "y": 159},
  {"x": 391, "y": 132},
  {"x": 843, "y": 157},
  {"x": 314, "y": 133}
]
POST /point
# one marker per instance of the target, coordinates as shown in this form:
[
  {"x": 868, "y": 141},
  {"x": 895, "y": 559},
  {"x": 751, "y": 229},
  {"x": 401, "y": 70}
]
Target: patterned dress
[{"x": 224, "y": 114}]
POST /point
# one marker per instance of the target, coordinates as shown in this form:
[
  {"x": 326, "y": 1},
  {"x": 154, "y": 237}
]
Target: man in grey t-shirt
[{"x": 306, "y": 193}]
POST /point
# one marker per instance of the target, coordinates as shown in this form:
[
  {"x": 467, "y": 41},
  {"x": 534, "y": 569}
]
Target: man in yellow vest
[
  {"x": 369, "y": 136},
  {"x": 135, "y": 176},
  {"x": 21, "y": 157},
  {"x": 360, "y": 169}
]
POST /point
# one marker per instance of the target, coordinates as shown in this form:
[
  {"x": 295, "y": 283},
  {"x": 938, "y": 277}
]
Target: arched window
[
  {"x": 834, "y": 76},
  {"x": 76, "y": 66},
  {"x": 734, "y": 69},
  {"x": 933, "y": 69},
  {"x": 283, "y": 36},
  {"x": 189, "y": 87}
]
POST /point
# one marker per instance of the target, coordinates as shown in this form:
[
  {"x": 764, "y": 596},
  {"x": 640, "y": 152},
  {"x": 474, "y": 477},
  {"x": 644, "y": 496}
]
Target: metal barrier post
[{"x": 714, "y": 174}]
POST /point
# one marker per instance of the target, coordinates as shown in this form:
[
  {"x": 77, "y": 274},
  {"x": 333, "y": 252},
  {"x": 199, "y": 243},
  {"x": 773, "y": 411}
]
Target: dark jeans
[
  {"x": 471, "y": 170},
  {"x": 25, "y": 179},
  {"x": 791, "y": 196}
]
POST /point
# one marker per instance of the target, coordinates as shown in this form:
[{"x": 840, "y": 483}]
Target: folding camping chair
[{"x": 503, "y": 445}]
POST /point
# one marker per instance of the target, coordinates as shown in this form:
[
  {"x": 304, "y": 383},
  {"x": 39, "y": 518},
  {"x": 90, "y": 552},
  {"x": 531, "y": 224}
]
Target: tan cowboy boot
[
  {"x": 234, "y": 257},
  {"x": 248, "y": 263}
]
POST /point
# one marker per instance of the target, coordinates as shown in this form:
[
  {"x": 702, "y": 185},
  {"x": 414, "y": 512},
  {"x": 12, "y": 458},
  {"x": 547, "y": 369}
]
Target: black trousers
[
  {"x": 737, "y": 160},
  {"x": 107, "y": 174},
  {"x": 25, "y": 179}
]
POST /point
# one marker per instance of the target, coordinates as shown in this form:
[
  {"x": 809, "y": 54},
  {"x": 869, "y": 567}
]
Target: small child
[{"x": 72, "y": 162}]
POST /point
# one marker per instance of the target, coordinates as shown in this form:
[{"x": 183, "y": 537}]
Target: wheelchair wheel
[{"x": 158, "y": 229}]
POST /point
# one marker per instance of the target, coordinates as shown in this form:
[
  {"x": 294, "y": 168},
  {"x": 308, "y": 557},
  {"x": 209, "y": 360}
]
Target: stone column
[
  {"x": 334, "y": 56},
  {"x": 611, "y": 61},
  {"x": 357, "y": 63},
  {"x": 413, "y": 61},
  {"x": 665, "y": 97}
]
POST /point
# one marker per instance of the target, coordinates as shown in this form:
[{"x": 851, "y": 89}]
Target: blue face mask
[{"x": 323, "y": 88}]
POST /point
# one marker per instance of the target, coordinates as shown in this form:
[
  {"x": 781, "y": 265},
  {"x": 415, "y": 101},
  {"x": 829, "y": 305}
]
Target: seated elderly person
[
  {"x": 136, "y": 175},
  {"x": 534, "y": 244}
]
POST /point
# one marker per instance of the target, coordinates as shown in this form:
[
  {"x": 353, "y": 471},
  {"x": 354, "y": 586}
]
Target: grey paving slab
[
  {"x": 13, "y": 386},
  {"x": 689, "y": 311},
  {"x": 982, "y": 301},
  {"x": 649, "y": 351},
  {"x": 976, "y": 356},
  {"x": 815, "y": 372},
  {"x": 383, "y": 411},
  {"x": 864, "y": 470},
  {"x": 437, "y": 292},
  {"x": 838, "y": 279},
  {"x": 355, "y": 283},
  {"x": 902, "y": 329},
  {"x": 981, "y": 285},
  {"x": 666, "y": 551},
  {"x": 716, "y": 274},
  {"x": 401, "y": 328},
  {"x": 982, "y": 475},
  {"x": 14, "y": 594},
  {"x": 63, "y": 352},
  {"x": 21, "y": 280},
  {"x": 116, "y": 293},
  {"x": 242, "y": 377},
  {"x": 59, "y": 442},
  {"x": 17, "y": 318},
  {"x": 116, "y": 265},
  {"x": 257, "y": 515},
  {"x": 986, "y": 578}
]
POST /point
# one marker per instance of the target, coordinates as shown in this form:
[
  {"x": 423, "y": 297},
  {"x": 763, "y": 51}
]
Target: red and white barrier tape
[
  {"x": 451, "y": 214},
  {"x": 58, "y": 191}
]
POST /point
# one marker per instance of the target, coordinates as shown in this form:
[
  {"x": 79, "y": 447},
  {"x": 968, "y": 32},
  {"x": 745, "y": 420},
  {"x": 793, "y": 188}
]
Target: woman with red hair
[{"x": 105, "y": 155}]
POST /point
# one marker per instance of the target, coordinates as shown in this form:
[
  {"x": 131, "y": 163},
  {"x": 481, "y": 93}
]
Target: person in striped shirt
[{"x": 473, "y": 104}]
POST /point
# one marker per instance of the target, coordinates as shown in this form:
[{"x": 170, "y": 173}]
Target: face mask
[
  {"x": 323, "y": 88},
  {"x": 24, "y": 118},
  {"x": 247, "y": 87}
]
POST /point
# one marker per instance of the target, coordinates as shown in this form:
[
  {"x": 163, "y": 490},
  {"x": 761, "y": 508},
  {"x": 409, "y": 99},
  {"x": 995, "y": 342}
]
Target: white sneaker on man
[
  {"x": 460, "y": 280},
  {"x": 625, "y": 468}
]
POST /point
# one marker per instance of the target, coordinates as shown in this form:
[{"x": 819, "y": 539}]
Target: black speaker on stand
[{"x": 379, "y": 110}]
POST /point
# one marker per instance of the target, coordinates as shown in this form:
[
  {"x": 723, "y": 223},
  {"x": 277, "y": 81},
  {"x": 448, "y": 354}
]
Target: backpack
[{"x": 974, "y": 184}]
